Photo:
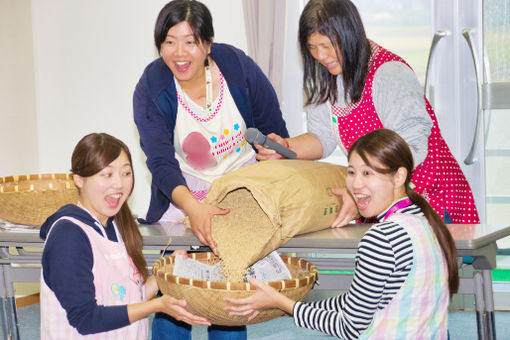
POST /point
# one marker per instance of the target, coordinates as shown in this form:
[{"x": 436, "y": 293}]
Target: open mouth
[
  {"x": 362, "y": 201},
  {"x": 182, "y": 66},
  {"x": 113, "y": 200}
]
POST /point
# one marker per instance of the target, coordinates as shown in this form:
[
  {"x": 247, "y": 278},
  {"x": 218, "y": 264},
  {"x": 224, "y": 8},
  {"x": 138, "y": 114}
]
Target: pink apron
[
  {"x": 117, "y": 282},
  {"x": 198, "y": 189}
]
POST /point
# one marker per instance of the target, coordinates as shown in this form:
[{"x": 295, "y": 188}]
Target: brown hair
[
  {"x": 391, "y": 150},
  {"x": 340, "y": 21},
  {"x": 92, "y": 154}
]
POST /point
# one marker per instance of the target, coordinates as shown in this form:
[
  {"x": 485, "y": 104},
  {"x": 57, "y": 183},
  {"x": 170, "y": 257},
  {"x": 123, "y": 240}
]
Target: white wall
[
  {"x": 18, "y": 120},
  {"x": 291, "y": 100},
  {"x": 87, "y": 57}
]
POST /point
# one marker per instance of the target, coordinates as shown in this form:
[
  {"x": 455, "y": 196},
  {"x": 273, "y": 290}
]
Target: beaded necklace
[
  {"x": 208, "y": 89},
  {"x": 208, "y": 98}
]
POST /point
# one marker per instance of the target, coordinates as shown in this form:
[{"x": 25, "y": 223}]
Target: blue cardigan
[{"x": 155, "y": 111}]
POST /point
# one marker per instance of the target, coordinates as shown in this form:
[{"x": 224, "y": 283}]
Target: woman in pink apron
[
  {"x": 354, "y": 86},
  {"x": 94, "y": 280},
  {"x": 406, "y": 265}
]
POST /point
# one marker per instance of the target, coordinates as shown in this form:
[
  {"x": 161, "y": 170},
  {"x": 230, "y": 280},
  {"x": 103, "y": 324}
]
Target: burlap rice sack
[{"x": 269, "y": 203}]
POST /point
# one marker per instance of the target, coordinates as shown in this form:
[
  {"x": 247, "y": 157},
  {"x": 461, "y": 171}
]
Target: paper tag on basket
[
  {"x": 196, "y": 270},
  {"x": 18, "y": 228},
  {"x": 269, "y": 268}
]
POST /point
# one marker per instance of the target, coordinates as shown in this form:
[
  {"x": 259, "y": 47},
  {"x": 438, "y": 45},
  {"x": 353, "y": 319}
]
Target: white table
[{"x": 329, "y": 250}]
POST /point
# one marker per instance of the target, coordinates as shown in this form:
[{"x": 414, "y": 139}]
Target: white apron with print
[{"x": 208, "y": 145}]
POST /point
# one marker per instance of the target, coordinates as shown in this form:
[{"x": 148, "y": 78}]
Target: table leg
[
  {"x": 5, "y": 319},
  {"x": 490, "y": 322},
  {"x": 11, "y": 303},
  {"x": 3, "y": 305},
  {"x": 480, "y": 305}
]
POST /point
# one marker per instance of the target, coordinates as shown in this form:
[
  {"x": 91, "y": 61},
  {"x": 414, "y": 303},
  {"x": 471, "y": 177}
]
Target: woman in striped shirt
[{"x": 406, "y": 265}]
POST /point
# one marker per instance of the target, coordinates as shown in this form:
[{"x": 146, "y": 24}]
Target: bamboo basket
[
  {"x": 205, "y": 298},
  {"x": 30, "y": 199}
]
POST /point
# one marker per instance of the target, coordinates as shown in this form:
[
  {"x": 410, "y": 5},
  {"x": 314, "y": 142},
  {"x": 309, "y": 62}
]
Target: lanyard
[{"x": 399, "y": 205}]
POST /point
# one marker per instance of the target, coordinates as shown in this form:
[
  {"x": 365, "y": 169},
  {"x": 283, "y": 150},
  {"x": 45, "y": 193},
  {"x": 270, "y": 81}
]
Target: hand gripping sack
[{"x": 269, "y": 203}]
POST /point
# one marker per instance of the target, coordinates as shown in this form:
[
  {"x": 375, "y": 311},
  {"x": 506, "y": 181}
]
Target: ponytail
[
  {"x": 444, "y": 237},
  {"x": 132, "y": 238},
  {"x": 391, "y": 150}
]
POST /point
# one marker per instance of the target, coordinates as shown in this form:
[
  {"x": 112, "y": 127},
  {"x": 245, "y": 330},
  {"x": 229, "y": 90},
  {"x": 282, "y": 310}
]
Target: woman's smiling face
[
  {"x": 183, "y": 55},
  {"x": 373, "y": 191},
  {"x": 104, "y": 193},
  {"x": 323, "y": 51}
]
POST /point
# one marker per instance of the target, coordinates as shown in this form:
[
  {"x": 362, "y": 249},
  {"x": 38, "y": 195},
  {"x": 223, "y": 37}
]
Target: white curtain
[{"x": 266, "y": 30}]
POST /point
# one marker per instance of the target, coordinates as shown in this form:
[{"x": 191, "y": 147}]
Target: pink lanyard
[{"x": 400, "y": 205}]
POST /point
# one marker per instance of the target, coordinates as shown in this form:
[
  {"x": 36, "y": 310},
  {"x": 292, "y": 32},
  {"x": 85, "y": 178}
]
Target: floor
[{"x": 462, "y": 325}]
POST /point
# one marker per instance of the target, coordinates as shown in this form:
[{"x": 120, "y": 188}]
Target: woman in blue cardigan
[{"x": 192, "y": 107}]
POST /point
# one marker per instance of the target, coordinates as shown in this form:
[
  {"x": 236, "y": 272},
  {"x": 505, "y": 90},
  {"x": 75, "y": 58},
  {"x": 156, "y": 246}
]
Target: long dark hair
[
  {"x": 340, "y": 21},
  {"x": 92, "y": 154},
  {"x": 194, "y": 12},
  {"x": 391, "y": 150}
]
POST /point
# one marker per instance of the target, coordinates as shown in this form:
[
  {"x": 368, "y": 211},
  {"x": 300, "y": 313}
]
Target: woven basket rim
[
  {"x": 15, "y": 181},
  {"x": 299, "y": 282},
  {"x": 30, "y": 199}
]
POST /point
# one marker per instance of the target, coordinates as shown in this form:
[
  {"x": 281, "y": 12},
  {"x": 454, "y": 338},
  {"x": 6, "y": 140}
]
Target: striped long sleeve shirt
[{"x": 383, "y": 262}]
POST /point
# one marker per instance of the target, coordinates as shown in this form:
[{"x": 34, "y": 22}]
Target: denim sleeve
[{"x": 156, "y": 140}]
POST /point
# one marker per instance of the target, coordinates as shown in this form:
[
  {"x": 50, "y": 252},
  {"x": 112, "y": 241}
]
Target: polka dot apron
[{"x": 439, "y": 178}]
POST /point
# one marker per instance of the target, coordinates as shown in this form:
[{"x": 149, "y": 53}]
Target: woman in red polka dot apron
[
  {"x": 354, "y": 86},
  {"x": 438, "y": 178}
]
